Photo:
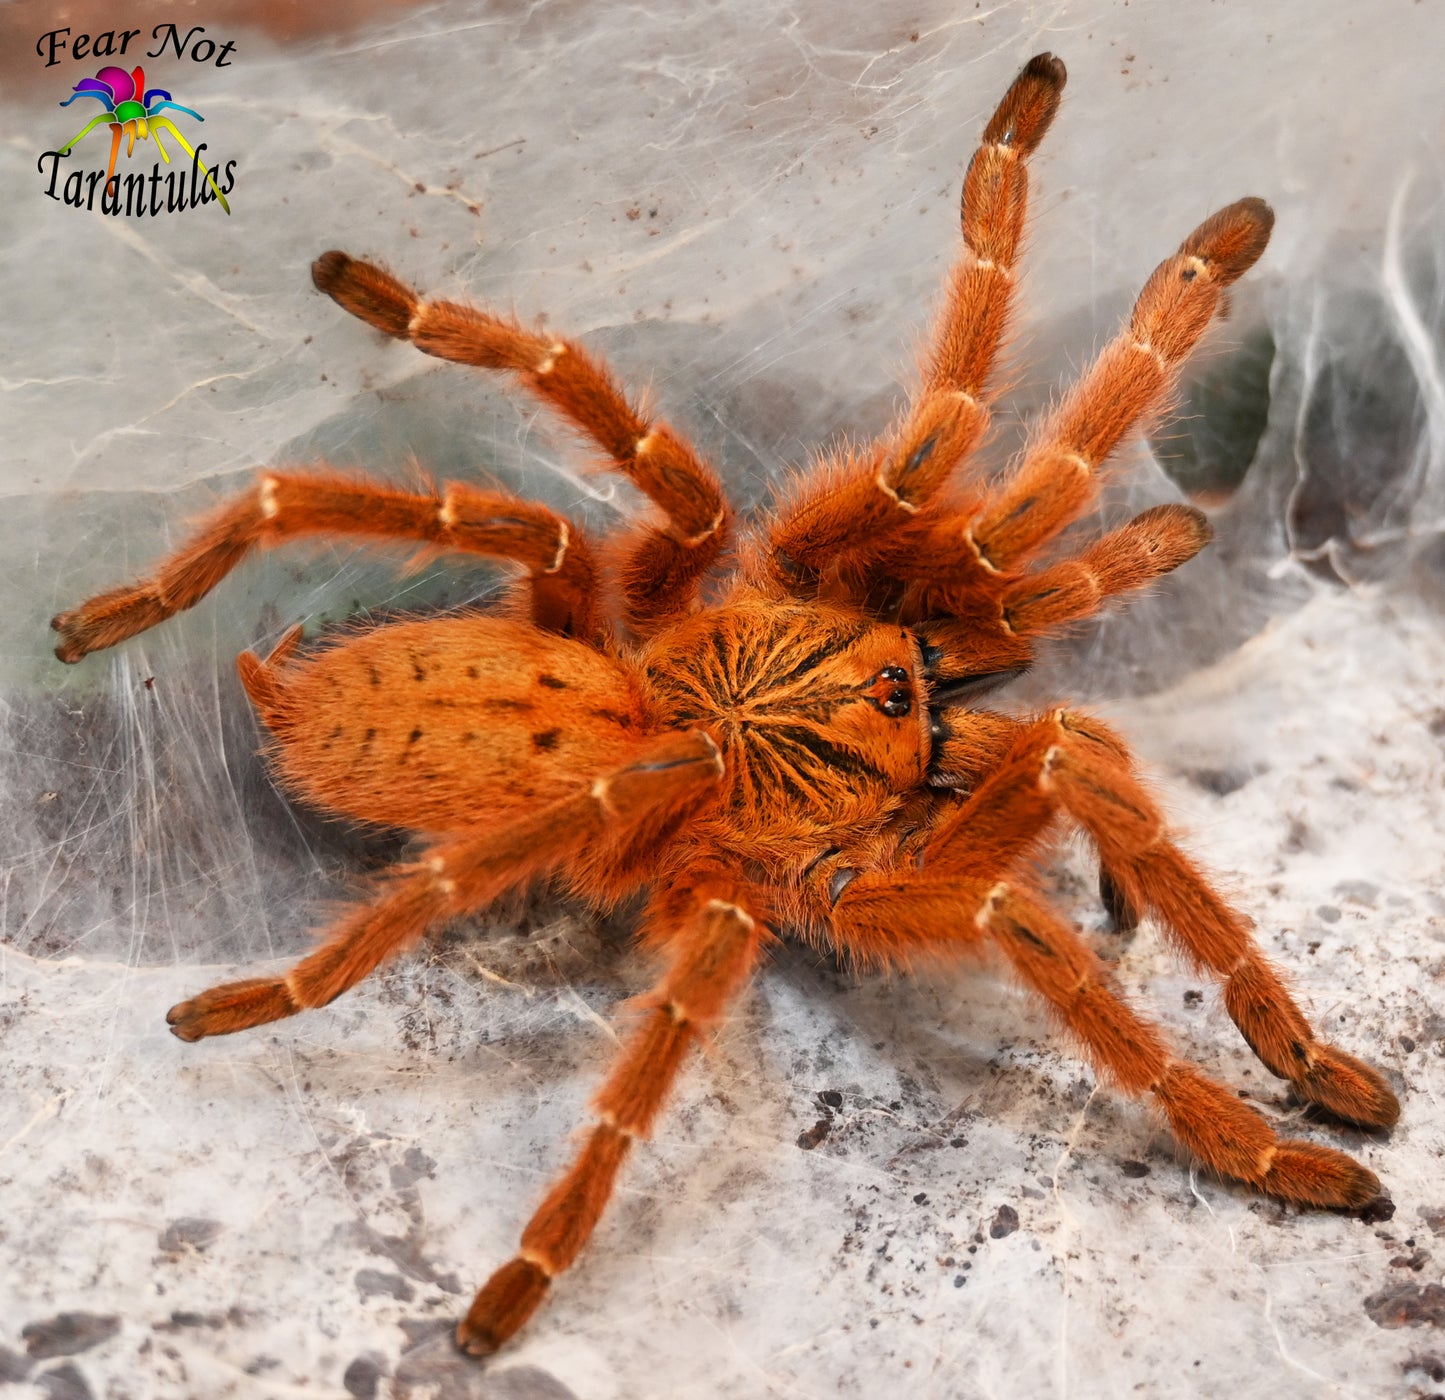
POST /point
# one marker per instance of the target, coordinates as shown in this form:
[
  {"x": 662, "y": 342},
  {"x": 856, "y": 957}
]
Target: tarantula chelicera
[{"x": 796, "y": 746}]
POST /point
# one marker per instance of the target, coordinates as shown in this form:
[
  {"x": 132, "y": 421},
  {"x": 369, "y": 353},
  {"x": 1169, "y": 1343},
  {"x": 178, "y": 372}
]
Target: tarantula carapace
[{"x": 795, "y": 747}]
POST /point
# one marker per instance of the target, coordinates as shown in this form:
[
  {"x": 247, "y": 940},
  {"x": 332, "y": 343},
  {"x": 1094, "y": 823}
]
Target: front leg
[
  {"x": 914, "y": 914},
  {"x": 853, "y": 507},
  {"x": 1072, "y": 764}
]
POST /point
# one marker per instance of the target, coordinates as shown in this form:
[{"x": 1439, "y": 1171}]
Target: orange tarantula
[{"x": 795, "y": 746}]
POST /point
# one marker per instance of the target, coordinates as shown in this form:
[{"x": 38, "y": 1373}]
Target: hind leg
[
  {"x": 458, "y": 876},
  {"x": 282, "y": 506}
]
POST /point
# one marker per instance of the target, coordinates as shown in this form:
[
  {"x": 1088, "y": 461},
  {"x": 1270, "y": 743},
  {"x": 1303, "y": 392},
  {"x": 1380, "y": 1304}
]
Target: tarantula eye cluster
[
  {"x": 890, "y": 692},
  {"x": 796, "y": 746}
]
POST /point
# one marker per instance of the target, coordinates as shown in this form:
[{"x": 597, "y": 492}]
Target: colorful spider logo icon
[{"x": 131, "y": 110}]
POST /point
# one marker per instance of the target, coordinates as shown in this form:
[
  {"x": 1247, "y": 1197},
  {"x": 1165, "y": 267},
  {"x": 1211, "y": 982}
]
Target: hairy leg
[
  {"x": 840, "y": 513},
  {"x": 284, "y": 506},
  {"x": 660, "y": 566},
  {"x": 1088, "y": 770},
  {"x": 993, "y": 627},
  {"x": 1057, "y": 480},
  {"x": 712, "y": 947},
  {"x": 1211, "y": 1121},
  {"x": 905, "y": 915},
  {"x": 1073, "y": 764},
  {"x": 458, "y": 876}
]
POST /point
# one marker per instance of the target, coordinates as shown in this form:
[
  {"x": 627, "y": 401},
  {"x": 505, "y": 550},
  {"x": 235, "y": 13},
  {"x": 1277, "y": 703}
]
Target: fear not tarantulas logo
[{"x": 133, "y": 112}]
